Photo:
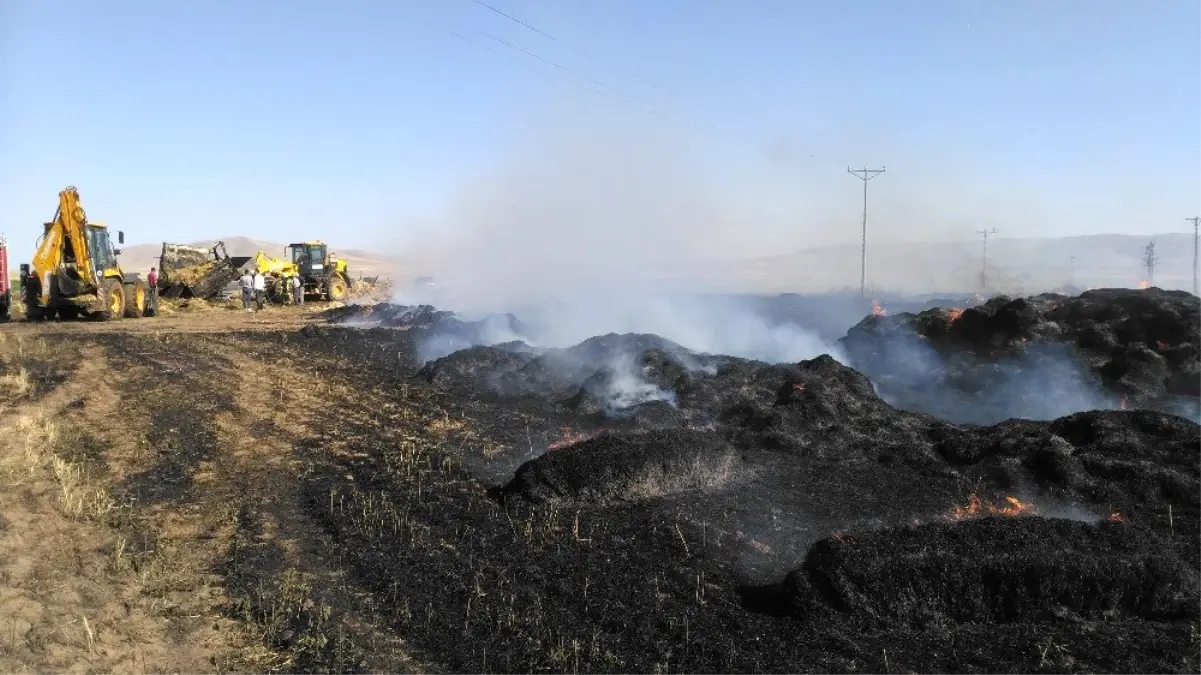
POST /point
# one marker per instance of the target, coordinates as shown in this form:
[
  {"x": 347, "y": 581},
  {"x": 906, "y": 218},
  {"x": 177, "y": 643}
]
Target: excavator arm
[{"x": 64, "y": 241}]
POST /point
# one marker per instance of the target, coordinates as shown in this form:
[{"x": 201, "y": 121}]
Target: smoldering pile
[
  {"x": 1103, "y": 545},
  {"x": 1038, "y": 357},
  {"x": 443, "y": 332}
]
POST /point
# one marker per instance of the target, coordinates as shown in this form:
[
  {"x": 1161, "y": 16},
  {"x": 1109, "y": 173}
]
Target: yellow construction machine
[
  {"x": 323, "y": 274},
  {"x": 75, "y": 271}
]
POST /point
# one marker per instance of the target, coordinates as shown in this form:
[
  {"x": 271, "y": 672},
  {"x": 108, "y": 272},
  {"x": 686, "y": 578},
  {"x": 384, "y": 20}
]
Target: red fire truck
[{"x": 6, "y": 295}]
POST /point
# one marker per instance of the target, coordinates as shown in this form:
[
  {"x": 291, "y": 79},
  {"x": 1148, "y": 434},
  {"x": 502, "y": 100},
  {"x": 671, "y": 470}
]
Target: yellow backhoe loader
[{"x": 75, "y": 272}]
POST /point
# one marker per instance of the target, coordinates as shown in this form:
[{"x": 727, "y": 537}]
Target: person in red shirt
[{"x": 152, "y": 301}]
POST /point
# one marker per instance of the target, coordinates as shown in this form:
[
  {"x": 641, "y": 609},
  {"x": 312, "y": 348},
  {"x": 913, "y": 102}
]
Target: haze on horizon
[{"x": 619, "y": 136}]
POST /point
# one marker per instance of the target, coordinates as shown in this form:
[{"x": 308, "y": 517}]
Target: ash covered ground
[{"x": 629, "y": 504}]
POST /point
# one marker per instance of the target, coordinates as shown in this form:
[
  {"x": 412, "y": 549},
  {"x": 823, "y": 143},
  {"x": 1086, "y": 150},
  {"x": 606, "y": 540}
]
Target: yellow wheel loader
[
  {"x": 75, "y": 272},
  {"x": 324, "y": 275}
]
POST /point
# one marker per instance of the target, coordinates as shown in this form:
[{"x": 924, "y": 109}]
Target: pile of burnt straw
[{"x": 1040, "y": 357}]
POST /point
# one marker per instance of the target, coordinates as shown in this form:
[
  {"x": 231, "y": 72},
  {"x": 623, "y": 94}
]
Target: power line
[
  {"x": 984, "y": 264},
  {"x": 721, "y": 132},
  {"x": 590, "y": 83},
  {"x": 590, "y": 55},
  {"x": 1195, "y": 219},
  {"x": 865, "y": 174}
]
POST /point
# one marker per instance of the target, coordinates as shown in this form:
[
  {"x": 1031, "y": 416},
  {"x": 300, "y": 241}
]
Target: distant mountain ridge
[{"x": 1015, "y": 266}]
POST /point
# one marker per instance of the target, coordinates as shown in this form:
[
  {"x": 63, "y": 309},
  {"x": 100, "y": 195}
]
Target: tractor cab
[
  {"x": 309, "y": 257},
  {"x": 100, "y": 246}
]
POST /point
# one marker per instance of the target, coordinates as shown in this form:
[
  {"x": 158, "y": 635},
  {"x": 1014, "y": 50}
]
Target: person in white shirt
[{"x": 260, "y": 289}]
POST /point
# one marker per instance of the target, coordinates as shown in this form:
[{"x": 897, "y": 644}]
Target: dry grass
[
  {"x": 83, "y": 586},
  {"x": 16, "y": 384},
  {"x": 42, "y": 443}
]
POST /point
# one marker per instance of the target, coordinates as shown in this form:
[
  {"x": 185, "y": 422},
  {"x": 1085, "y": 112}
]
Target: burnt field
[
  {"x": 413, "y": 492},
  {"x": 627, "y": 504}
]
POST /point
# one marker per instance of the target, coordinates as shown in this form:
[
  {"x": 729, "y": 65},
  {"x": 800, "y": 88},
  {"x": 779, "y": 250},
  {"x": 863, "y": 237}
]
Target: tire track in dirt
[
  {"x": 223, "y": 491},
  {"x": 77, "y": 593}
]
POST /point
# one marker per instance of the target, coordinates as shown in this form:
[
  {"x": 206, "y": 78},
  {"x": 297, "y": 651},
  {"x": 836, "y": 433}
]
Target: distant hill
[
  {"x": 1017, "y": 265},
  {"x": 141, "y": 257}
]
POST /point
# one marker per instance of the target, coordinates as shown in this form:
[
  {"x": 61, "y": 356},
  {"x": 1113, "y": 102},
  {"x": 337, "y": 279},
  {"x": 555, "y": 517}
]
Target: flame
[
  {"x": 1122, "y": 405},
  {"x": 1013, "y": 508},
  {"x": 798, "y": 386},
  {"x": 1144, "y": 284},
  {"x": 953, "y": 314},
  {"x": 1116, "y": 517},
  {"x": 877, "y": 310},
  {"x": 1163, "y": 346},
  {"x": 571, "y": 437}
]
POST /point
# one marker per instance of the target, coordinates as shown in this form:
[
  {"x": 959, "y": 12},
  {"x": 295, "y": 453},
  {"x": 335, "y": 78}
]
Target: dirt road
[{"x": 149, "y": 516}]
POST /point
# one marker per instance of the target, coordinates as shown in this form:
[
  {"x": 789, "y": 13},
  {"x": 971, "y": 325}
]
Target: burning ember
[
  {"x": 877, "y": 310},
  {"x": 571, "y": 437},
  {"x": 1013, "y": 508},
  {"x": 954, "y": 314},
  {"x": 1116, "y": 517},
  {"x": 798, "y": 386}
]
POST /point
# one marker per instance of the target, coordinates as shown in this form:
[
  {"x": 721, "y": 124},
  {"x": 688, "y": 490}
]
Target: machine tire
[
  {"x": 337, "y": 288},
  {"x": 135, "y": 299},
  {"x": 68, "y": 313},
  {"x": 113, "y": 294}
]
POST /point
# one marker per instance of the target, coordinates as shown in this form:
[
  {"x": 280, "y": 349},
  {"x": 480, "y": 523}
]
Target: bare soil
[{"x": 148, "y": 510}]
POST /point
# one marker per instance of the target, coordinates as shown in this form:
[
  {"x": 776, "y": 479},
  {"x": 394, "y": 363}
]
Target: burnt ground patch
[
  {"x": 996, "y": 570},
  {"x": 30, "y": 368},
  {"x": 637, "y": 581},
  {"x": 185, "y": 397}
]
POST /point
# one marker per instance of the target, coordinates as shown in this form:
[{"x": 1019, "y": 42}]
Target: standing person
[
  {"x": 247, "y": 289},
  {"x": 260, "y": 289},
  {"x": 297, "y": 290},
  {"x": 152, "y": 282}
]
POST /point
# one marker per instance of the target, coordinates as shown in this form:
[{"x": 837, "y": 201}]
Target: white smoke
[
  {"x": 595, "y": 225},
  {"x": 629, "y": 387}
]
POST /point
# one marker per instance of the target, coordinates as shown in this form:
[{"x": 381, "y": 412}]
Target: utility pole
[
  {"x": 1149, "y": 259},
  {"x": 1194, "y": 219},
  {"x": 984, "y": 267},
  {"x": 865, "y": 174}
]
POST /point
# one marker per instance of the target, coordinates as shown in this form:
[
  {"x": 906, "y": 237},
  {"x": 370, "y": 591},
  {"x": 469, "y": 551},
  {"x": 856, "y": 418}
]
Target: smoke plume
[{"x": 598, "y": 226}]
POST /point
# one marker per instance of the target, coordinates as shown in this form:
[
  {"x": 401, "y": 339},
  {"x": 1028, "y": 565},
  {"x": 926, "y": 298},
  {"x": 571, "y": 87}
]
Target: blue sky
[{"x": 352, "y": 120}]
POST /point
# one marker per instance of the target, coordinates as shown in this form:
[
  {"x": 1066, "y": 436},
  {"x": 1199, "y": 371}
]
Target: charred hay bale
[
  {"x": 1138, "y": 371},
  {"x": 822, "y": 406},
  {"x": 628, "y": 467},
  {"x": 1144, "y": 458},
  {"x": 402, "y": 316},
  {"x": 605, "y": 348},
  {"x": 996, "y": 570},
  {"x": 345, "y": 313},
  {"x": 1149, "y": 316},
  {"x": 1145, "y": 442},
  {"x": 468, "y": 368}
]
